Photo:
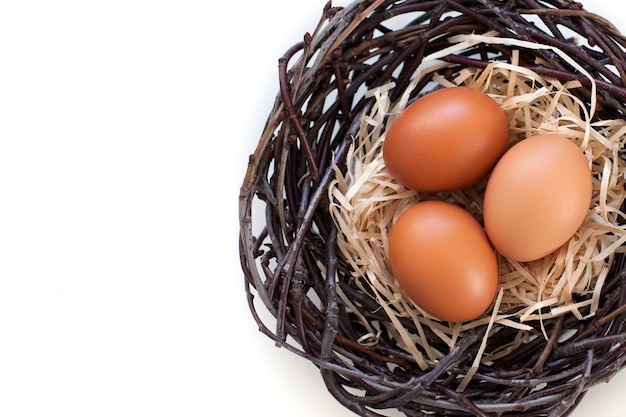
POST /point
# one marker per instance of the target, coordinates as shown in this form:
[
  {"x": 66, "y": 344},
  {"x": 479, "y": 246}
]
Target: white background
[{"x": 124, "y": 133}]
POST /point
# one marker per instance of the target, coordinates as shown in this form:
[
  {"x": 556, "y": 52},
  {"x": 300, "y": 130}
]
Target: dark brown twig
[{"x": 286, "y": 94}]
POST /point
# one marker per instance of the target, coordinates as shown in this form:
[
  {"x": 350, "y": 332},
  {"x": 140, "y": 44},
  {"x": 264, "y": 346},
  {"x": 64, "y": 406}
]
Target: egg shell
[
  {"x": 537, "y": 197},
  {"x": 446, "y": 140},
  {"x": 442, "y": 259}
]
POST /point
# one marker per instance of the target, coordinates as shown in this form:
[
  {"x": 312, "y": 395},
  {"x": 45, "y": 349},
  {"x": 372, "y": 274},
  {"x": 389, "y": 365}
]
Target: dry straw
[
  {"x": 316, "y": 206},
  {"x": 366, "y": 201}
]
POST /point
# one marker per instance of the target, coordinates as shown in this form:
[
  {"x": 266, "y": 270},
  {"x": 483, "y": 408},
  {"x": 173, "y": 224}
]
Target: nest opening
[{"x": 366, "y": 201}]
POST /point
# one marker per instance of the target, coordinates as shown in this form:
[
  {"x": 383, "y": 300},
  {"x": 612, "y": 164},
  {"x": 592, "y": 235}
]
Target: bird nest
[{"x": 317, "y": 205}]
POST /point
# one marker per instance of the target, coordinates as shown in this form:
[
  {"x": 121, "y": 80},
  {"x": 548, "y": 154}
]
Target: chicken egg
[
  {"x": 442, "y": 259},
  {"x": 446, "y": 140},
  {"x": 537, "y": 197}
]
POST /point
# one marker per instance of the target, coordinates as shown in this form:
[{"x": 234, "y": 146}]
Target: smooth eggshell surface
[
  {"x": 446, "y": 140},
  {"x": 442, "y": 259},
  {"x": 537, "y": 197}
]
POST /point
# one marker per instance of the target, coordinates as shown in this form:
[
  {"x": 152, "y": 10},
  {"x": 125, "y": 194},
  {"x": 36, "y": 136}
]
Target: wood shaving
[{"x": 366, "y": 201}]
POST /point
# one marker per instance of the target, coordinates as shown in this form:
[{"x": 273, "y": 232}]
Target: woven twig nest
[{"x": 316, "y": 206}]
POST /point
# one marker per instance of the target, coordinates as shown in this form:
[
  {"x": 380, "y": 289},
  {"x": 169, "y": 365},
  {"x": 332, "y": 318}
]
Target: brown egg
[
  {"x": 442, "y": 259},
  {"x": 537, "y": 197},
  {"x": 446, "y": 140}
]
